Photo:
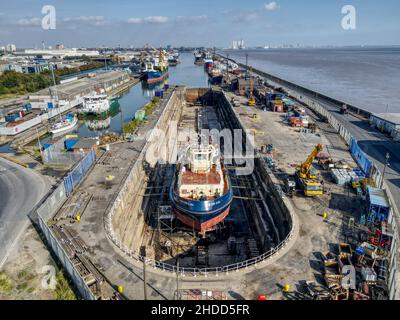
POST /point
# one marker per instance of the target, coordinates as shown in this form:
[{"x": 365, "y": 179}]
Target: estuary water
[{"x": 366, "y": 77}]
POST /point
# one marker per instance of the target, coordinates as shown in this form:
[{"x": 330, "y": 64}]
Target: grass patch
[
  {"x": 63, "y": 290},
  {"x": 5, "y": 283}
]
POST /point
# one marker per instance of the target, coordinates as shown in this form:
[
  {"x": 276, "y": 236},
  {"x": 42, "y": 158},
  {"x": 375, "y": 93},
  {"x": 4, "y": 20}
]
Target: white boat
[
  {"x": 64, "y": 125},
  {"x": 95, "y": 104}
]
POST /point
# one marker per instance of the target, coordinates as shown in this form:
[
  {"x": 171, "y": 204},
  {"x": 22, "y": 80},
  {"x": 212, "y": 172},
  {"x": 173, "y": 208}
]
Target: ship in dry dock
[{"x": 201, "y": 193}]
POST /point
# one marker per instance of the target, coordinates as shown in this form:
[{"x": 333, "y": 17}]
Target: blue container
[
  {"x": 158, "y": 94},
  {"x": 12, "y": 117},
  {"x": 68, "y": 144},
  {"x": 360, "y": 251},
  {"x": 49, "y": 105},
  {"x": 46, "y": 146},
  {"x": 166, "y": 86}
]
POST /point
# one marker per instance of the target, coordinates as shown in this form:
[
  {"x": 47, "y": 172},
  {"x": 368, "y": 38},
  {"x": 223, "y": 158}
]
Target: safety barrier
[
  {"x": 49, "y": 208},
  {"x": 363, "y": 162},
  {"x": 79, "y": 171}
]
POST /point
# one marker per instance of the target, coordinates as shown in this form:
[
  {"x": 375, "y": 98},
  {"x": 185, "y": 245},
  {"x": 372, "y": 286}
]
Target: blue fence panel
[
  {"x": 78, "y": 173},
  {"x": 364, "y": 163}
]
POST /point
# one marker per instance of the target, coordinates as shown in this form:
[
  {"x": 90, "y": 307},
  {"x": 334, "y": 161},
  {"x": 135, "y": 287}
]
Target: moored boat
[
  {"x": 155, "y": 71},
  {"x": 98, "y": 105},
  {"x": 64, "y": 125}
]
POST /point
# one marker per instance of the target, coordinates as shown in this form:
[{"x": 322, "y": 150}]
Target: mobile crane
[{"x": 306, "y": 178}]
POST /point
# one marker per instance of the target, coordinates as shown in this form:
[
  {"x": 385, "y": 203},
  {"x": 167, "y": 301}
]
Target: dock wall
[{"x": 125, "y": 220}]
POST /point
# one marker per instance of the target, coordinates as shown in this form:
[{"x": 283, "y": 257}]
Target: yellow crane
[{"x": 306, "y": 176}]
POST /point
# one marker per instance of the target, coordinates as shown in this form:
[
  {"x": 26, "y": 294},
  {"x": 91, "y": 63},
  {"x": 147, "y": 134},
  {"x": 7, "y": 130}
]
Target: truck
[
  {"x": 343, "y": 109},
  {"x": 290, "y": 186}
]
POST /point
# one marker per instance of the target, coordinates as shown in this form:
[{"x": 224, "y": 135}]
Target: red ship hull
[{"x": 198, "y": 226}]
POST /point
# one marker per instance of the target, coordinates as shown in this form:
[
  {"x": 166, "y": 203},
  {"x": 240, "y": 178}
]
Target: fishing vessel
[
  {"x": 198, "y": 58},
  {"x": 156, "y": 70},
  {"x": 173, "y": 59},
  {"x": 208, "y": 64},
  {"x": 64, "y": 125},
  {"x": 201, "y": 193}
]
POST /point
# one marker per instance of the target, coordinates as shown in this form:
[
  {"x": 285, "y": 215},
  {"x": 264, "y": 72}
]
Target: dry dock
[{"x": 268, "y": 240}]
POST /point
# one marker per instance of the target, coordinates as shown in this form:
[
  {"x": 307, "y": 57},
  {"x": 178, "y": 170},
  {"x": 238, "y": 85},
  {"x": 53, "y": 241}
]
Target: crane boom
[{"x": 306, "y": 166}]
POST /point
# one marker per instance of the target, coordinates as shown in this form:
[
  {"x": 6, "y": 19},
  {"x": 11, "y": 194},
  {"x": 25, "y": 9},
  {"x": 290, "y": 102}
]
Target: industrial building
[
  {"x": 387, "y": 122},
  {"x": 76, "y": 89}
]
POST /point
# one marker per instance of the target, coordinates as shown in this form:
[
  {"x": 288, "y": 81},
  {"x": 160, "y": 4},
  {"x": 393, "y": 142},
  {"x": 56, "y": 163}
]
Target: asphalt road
[{"x": 20, "y": 190}]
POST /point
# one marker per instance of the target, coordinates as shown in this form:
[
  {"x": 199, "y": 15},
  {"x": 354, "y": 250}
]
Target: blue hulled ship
[{"x": 201, "y": 193}]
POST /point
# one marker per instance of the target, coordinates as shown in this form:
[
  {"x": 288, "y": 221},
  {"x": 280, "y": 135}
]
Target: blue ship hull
[
  {"x": 201, "y": 216},
  {"x": 154, "y": 76}
]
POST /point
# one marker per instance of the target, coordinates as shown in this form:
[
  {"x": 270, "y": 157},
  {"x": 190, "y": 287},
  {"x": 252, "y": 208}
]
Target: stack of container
[
  {"x": 341, "y": 176},
  {"x": 159, "y": 94},
  {"x": 344, "y": 176}
]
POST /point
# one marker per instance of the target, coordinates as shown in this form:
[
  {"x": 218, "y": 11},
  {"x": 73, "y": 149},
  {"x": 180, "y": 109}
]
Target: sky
[{"x": 94, "y": 23}]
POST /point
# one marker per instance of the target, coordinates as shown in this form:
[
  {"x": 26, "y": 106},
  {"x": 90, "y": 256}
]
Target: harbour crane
[{"x": 306, "y": 177}]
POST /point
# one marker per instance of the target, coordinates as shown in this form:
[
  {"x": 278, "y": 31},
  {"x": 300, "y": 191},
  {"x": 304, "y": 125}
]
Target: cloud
[
  {"x": 191, "y": 18},
  {"x": 91, "y": 20},
  {"x": 246, "y": 17},
  {"x": 156, "y": 19},
  {"x": 272, "y": 6},
  {"x": 162, "y": 19},
  {"x": 150, "y": 19},
  {"x": 135, "y": 20},
  {"x": 29, "y": 22}
]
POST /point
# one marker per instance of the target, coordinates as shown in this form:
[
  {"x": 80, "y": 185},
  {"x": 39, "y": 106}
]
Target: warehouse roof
[
  {"x": 85, "y": 143},
  {"x": 378, "y": 197}
]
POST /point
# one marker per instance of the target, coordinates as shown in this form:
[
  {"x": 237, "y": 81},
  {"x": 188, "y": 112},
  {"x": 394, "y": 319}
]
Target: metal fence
[
  {"x": 392, "y": 270},
  {"x": 79, "y": 171},
  {"x": 57, "y": 156},
  {"x": 49, "y": 208},
  {"x": 363, "y": 162},
  {"x": 67, "y": 264}
]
